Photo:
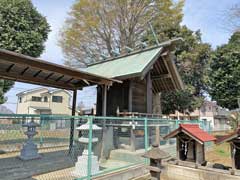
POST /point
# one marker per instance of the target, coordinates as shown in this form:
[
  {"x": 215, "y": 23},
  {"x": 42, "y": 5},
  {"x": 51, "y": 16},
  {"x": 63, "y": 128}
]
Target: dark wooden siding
[
  {"x": 139, "y": 96},
  {"x": 117, "y": 96}
]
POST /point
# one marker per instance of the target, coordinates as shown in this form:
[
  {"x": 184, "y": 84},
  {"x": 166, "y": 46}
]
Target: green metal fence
[{"x": 112, "y": 143}]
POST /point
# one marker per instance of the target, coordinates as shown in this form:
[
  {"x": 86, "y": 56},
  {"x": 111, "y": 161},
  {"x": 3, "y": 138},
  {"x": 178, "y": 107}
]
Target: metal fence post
[
  {"x": 146, "y": 137},
  {"x": 176, "y": 123},
  {"x": 89, "y": 168},
  {"x": 40, "y": 128}
]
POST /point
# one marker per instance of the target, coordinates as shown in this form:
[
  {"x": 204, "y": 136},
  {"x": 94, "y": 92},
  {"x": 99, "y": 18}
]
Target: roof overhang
[
  {"x": 40, "y": 108},
  {"x": 21, "y": 68},
  {"x": 229, "y": 138}
]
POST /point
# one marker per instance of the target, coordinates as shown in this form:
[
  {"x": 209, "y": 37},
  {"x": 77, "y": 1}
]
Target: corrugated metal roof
[{"x": 129, "y": 65}]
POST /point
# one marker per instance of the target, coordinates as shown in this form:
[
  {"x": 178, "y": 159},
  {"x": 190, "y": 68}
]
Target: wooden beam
[
  {"x": 74, "y": 103},
  {"x": 163, "y": 76},
  {"x": 178, "y": 148},
  {"x": 104, "y": 101},
  {"x": 51, "y": 74},
  {"x": 86, "y": 82},
  {"x": 104, "y": 129},
  {"x": 37, "y": 73},
  {"x": 36, "y": 80},
  {"x": 58, "y": 79},
  {"x": 149, "y": 93},
  {"x": 165, "y": 59},
  {"x": 172, "y": 70},
  {"x": 68, "y": 81},
  {"x": 10, "y": 67},
  {"x": 22, "y": 73},
  {"x": 233, "y": 151},
  {"x": 130, "y": 96},
  {"x": 15, "y": 58}
]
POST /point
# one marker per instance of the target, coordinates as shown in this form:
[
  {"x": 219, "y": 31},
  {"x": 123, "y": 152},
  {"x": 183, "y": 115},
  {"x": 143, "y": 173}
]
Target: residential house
[
  {"x": 44, "y": 101},
  {"x": 209, "y": 112}
]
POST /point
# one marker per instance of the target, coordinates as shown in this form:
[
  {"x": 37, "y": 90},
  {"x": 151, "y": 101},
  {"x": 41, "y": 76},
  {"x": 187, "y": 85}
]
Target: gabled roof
[
  {"x": 229, "y": 137},
  {"x": 52, "y": 91},
  {"x": 139, "y": 63},
  {"x": 193, "y": 131},
  {"x": 32, "y": 91},
  {"x": 125, "y": 66},
  {"x": 46, "y": 90}
]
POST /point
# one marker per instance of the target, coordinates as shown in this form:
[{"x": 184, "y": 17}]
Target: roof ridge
[
  {"x": 123, "y": 56},
  {"x": 136, "y": 52},
  {"x": 31, "y": 90}
]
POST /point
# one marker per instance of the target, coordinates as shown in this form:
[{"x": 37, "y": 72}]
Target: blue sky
[{"x": 206, "y": 15}]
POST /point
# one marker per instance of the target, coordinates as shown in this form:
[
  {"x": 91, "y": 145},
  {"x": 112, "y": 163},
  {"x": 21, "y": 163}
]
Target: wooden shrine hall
[
  {"x": 145, "y": 73},
  {"x": 190, "y": 141}
]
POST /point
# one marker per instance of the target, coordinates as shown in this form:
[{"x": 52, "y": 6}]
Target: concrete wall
[
  {"x": 124, "y": 174},
  {"x": 175, "y": 172}
]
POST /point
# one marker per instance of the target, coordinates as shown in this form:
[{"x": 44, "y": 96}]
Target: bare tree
[
  {"x": 231, "y": 19},
  {"x": 97, "y": 27}
]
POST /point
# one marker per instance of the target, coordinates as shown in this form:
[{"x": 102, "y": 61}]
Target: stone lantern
[
  {"x": 29, "y": 150},
  {"x": 81, "y": 166},
  {"x": 155, "y": 155}
]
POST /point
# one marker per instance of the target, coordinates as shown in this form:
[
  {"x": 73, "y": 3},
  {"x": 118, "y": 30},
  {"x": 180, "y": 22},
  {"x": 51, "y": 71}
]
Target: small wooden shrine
[
  {"x": 190, "y": 142},
  {"x": 234, "y": 141}
]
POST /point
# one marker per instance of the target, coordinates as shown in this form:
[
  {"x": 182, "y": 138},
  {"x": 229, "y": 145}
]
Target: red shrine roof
[
  {"x": 193, "y": 131},
  {"x": 229, "y": 137}
]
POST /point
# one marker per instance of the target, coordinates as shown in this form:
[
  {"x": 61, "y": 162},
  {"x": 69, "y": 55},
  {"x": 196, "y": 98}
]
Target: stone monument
[
  {"x": 81, "y": 166},
  {"x": 29, "y": 150}
]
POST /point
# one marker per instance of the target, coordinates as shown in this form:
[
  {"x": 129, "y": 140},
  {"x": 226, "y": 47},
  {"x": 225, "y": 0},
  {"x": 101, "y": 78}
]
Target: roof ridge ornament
[
  {"x": 128, "y": 49},
  {"x": 103, "y": 56},
  {"x": 142, "y": 45},
  {"x": 115, "y": 53}
]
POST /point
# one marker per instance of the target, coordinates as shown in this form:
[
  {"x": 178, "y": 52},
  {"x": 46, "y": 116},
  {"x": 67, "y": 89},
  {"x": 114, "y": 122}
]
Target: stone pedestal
[
  {"x": 29, "y": 151},
  {"x": 81, "y": 166}
]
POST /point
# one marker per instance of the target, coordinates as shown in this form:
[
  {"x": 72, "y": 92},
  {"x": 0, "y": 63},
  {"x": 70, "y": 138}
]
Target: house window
[
  {"x": 36, "y": 98},
  {"x": 20, "y": 99},
  {"x": 57, "y": 99},
  {"x": 45, "y": 99}
]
